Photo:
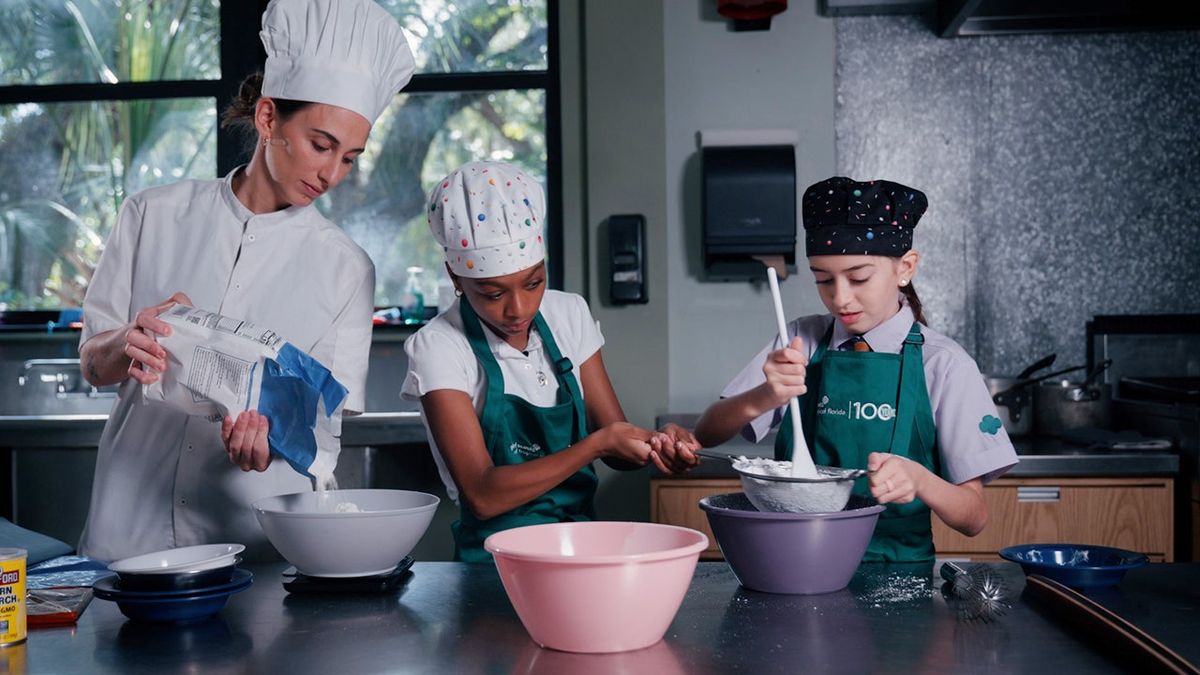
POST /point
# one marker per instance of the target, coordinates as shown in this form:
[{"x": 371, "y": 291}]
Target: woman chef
[
  {"x": 510, "y": 377},
  {"x": 878, "y": 389},
  {"x": 252, "y": 246}
]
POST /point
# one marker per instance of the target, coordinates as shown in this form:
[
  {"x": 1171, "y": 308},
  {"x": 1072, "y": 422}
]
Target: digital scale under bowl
[{"x": 296, "y": 582}]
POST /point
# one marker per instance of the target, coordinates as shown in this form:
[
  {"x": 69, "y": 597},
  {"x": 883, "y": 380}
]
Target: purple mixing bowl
[{"x": 795, "y": 553}]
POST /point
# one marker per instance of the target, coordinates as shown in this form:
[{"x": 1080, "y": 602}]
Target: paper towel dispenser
[{"x": 749, "y": 209}]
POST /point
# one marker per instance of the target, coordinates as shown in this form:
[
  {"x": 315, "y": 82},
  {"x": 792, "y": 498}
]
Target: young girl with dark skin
[{"x": 510, "y": 378}]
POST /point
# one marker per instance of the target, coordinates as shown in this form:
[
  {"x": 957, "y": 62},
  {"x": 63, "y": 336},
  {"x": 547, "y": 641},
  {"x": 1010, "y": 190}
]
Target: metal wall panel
[{"x": 1063, "y": 174}]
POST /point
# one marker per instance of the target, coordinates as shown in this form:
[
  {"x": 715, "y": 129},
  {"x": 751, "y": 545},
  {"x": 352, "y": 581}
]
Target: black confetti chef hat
[{"x": 843, "y": 216}]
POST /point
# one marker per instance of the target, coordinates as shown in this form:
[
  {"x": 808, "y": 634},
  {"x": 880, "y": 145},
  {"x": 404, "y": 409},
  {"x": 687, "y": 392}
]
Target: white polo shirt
[
  {"x": 440, "y": 357},
  {"x": 971, "y": 446},
  {"x": 163, "y": 478}
]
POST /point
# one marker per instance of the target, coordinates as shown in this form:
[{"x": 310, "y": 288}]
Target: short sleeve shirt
[
  {"x": 440, "y": 357},
  {"x": 970, "y": 439},
  {"x": 163, "y": 479}
]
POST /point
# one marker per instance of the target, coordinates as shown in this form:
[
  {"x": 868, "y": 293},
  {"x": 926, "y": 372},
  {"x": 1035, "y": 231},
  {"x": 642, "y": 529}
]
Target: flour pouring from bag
[{"x": 221, "y": 366}]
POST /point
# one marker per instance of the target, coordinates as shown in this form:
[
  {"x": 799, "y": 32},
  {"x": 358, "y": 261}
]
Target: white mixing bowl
[{"x": 323, "y": 535}]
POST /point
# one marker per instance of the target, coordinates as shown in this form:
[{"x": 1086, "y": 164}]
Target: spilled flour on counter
[{"x": 893, "y": 590}]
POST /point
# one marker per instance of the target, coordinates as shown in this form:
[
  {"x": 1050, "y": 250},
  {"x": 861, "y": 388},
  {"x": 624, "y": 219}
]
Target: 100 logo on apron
[{"x": 857, "y": 410}]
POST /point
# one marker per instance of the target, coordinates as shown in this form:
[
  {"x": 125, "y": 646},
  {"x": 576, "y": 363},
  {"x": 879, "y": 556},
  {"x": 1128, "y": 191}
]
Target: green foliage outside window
[{"x": 66, "y": 167}]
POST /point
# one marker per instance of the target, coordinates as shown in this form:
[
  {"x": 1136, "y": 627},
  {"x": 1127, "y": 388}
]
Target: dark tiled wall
[{"x": 1063, "y": 174}]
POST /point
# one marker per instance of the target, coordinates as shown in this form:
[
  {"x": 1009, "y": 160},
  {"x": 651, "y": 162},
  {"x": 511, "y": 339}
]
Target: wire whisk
[{"x": 976, "y": 593}]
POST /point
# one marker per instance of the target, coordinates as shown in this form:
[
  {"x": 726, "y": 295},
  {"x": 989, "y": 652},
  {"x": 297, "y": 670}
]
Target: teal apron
[
  {"x": 516, "y": 431},
  {"x": 863, "y": 402}
]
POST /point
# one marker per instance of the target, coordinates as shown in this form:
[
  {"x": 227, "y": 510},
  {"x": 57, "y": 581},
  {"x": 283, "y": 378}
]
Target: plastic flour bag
[{"x": 219, "y": 366}]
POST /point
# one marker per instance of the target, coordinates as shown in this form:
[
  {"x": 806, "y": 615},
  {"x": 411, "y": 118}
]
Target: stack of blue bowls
[{"x": 176, "y": 585}]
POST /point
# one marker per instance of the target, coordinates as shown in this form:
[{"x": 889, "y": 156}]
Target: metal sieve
[{"x": 828, "y": 492}]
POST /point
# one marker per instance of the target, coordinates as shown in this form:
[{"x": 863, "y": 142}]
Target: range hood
[{"x": 960, "y": 18}]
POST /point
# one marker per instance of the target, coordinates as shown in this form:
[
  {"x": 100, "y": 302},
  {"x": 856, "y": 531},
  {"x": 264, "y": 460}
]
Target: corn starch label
[{"x": 12, "y": 596}]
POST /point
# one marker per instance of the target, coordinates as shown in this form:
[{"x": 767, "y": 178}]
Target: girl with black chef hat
[{"x": 878, "y": 388}]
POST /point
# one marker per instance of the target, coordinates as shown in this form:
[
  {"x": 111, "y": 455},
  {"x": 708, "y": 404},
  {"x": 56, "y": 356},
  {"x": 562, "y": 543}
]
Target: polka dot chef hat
[
  {"x": 488, "y": 218},
  {"x": 843, "y": 216}
]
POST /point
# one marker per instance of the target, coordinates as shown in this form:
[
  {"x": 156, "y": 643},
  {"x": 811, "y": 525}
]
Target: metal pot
[
  {"x": 1061, "y": 405},
  {"x": 1014, "y": 399},
  {"x": 1015, "y": 407}
]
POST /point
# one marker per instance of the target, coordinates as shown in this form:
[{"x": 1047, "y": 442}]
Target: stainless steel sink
[{"x": 51, "y": 387}]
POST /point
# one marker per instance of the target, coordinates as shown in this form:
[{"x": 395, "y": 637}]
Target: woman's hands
[
  {"x": 116, "y": 355},
  {"x": 147, "y": 359},
  {"x": 246, "y": 440}
]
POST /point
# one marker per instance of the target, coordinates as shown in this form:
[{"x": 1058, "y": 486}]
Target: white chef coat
[
  {"x": 163, "y": 478},
  {"x": 969, "y": 446},
  {"x": 440, "y": 357}
]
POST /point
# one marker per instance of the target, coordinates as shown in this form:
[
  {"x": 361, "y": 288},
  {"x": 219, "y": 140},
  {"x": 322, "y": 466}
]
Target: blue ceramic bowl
[
  {"x": 1075, "y": 565},
  {"x": 172, "y": 606}
]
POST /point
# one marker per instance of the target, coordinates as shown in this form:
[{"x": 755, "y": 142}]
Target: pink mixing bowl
[{"x": 596, "y": 586}]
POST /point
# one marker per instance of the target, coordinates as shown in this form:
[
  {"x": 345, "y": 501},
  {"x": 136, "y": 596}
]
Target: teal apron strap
[
  {"x": 562, "y": 370},
  {"x": 911, "y": 359},
  {"x": 906, "y": 528},
  {"x": 491, "y": 416}
]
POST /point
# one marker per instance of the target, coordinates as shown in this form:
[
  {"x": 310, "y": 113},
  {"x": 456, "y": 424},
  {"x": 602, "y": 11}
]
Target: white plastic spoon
[{"x": 802, "y": 464}]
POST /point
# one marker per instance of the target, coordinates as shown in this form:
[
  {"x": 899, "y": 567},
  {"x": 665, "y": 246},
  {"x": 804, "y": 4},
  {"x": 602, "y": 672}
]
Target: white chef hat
[
  {"x": 488, "y": 218},
  {"x": 347, "y": 53}
]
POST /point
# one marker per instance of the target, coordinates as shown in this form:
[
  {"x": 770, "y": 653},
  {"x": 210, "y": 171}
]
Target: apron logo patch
[
  {"x": 990, "y": 425},
  {"x": 857, "y": 410},
  {"x": 530, "y": 450}
]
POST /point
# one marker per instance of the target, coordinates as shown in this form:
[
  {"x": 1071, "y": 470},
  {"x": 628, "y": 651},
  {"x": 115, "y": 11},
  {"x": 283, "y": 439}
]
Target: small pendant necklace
[
  {"x": 541, "y": 370},
  {"x": 542, "y": 380}
]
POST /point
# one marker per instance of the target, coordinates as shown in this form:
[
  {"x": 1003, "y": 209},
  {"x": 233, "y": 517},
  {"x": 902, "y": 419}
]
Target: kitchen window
[{"x": 102, "y": 98}]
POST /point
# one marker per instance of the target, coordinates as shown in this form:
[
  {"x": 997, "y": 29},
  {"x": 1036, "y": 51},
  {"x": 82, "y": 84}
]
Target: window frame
[{"x": 242, "y": 53}]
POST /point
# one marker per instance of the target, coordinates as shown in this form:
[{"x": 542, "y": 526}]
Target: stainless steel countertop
[
  {"x": 456, "y": 618},
  {"x": 83, "y": 431}
]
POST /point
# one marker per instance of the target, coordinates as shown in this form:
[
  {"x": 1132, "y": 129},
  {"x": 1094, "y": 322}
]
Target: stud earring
[
  {"x": 458, "y": 292},
  {"x": 904, "y": 282},
  {"x": 266, "y": 141}
]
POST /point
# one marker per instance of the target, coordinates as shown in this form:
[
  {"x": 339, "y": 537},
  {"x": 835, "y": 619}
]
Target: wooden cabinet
[
  {"x": 1130, "y": 513},
  {"x": 677, "y": 502}
]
